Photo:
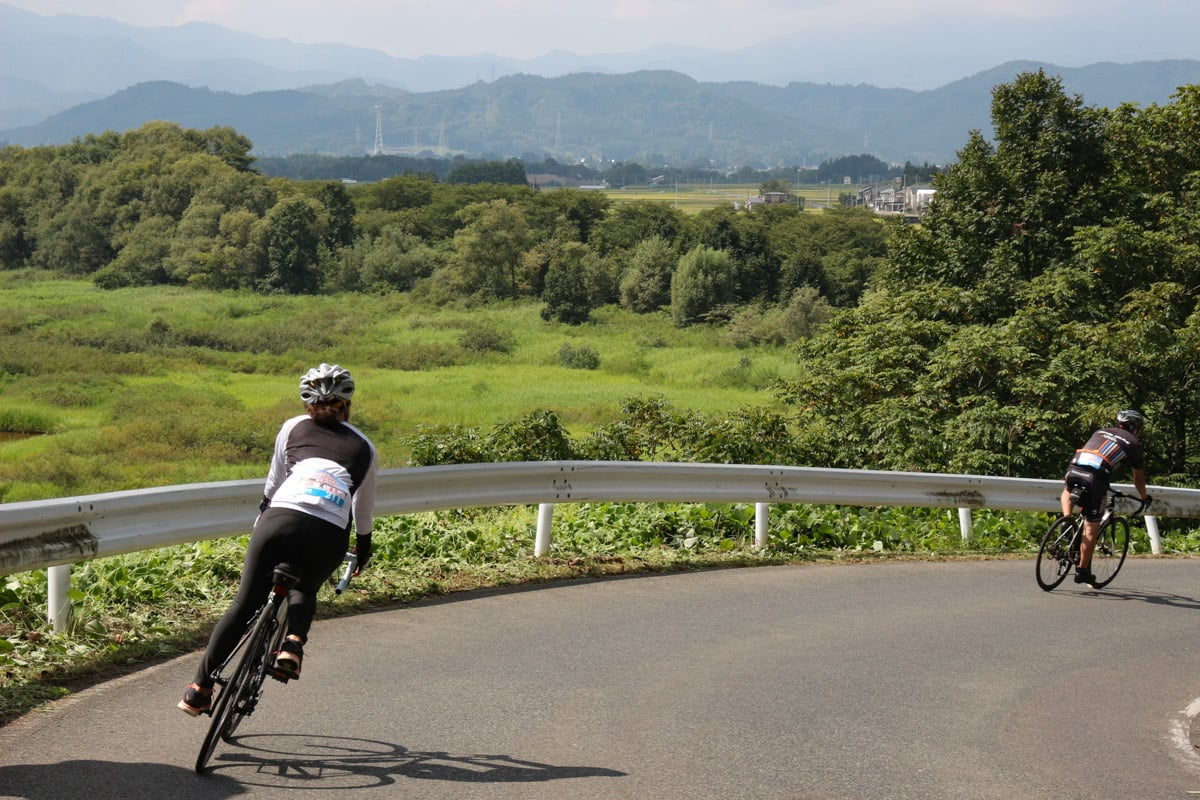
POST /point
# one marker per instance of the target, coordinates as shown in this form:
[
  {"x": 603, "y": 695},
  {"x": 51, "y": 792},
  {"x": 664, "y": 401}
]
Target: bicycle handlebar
[
  {"x": 351, "y": 563},
  {"x": 1142, "y": 504}
]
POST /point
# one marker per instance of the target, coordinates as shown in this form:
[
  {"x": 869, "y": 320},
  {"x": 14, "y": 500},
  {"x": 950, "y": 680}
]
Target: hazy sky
[{"x": 1065, "y": 32}]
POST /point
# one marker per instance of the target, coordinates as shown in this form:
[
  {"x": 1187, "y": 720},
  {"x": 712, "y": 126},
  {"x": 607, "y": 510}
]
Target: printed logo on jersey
[
  {"x": 326, "y": 487},
  {"x": 317, "y": 482}
]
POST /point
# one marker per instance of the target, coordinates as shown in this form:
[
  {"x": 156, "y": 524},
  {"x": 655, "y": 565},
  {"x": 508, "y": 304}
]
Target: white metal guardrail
[{"x": 50, "y": 533}]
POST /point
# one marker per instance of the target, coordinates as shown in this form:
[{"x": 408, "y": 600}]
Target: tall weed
[{"x": 26, "y": 420}]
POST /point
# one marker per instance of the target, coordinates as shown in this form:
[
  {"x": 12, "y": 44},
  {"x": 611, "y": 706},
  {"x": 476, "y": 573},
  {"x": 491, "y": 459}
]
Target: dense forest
[
  {"x": 165, "y": 205},
  {"x": 1053, "y": 281}
]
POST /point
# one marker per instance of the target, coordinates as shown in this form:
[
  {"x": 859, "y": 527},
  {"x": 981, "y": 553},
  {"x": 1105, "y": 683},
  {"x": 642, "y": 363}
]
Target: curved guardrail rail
[{"x": 50, "y": 533}]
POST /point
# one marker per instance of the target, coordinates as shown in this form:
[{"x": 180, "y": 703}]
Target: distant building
[
  {"x": 918, "y": 197},
  {"x": 769, "y": 199},
  {"x": 907, "y": 200}
]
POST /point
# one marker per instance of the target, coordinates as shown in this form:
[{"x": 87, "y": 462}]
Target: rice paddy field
[{"x": 696, "y": 197}]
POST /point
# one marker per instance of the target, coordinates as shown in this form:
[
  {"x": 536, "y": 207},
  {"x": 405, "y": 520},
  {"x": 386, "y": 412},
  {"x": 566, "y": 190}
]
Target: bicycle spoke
[{"x": 1054, "y": 554}]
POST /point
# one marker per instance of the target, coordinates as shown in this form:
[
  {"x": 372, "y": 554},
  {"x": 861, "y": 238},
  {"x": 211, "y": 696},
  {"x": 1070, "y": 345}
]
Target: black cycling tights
[{"x": 312, "y": 547}]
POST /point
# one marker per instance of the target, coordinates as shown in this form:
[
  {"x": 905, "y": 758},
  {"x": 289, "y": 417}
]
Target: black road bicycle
[
  {"x": 239, "y": 681},
  {"x": 1059, "y": 551}
]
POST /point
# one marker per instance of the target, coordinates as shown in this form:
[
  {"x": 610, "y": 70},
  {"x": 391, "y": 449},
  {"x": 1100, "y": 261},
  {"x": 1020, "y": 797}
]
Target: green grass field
[{"x": 153, "y": 386}]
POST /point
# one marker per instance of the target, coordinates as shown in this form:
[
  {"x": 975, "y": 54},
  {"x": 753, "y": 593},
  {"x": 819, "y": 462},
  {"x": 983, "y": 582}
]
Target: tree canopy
[
  {"x": 1054, "y": 281},
  {"x": 167, "y": 205}
]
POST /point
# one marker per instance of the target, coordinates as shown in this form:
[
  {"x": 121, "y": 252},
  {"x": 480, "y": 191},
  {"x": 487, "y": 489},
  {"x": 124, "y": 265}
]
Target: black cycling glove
[{"x": 362, "y": 549}]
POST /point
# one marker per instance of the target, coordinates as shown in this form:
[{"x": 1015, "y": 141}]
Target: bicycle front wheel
[
  {"x": 237, "y": 691},
  {"x": 1054, "y": 553},
  {"x": 262, "y": 664},
  {"x": 1112, "y": 545}
]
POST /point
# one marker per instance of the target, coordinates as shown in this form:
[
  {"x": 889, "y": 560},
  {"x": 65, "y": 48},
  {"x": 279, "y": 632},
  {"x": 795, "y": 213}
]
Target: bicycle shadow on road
[
  {"x": 110, "y": 780},
  {"x": 1154, "y": 598},
  {"x": 299, "y": 761}
]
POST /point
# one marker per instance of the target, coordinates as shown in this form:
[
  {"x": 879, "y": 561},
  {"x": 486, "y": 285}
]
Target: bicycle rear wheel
[
  {"x": 1112, "y": 545},
  {"x": 237, "y": 693},
  {"x": 1054, "y": 554}
]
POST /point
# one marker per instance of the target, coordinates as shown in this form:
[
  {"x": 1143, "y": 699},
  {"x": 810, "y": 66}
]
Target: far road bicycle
[
  {"x": 240, "y": 680},
  {"x": 1059, "y": 551}
]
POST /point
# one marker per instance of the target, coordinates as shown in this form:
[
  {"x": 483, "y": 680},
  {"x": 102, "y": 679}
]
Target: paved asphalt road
[{"x": 891, "y": 681}]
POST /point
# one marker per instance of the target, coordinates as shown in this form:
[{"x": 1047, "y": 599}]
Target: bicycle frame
[
  {"x": 1059, "y": 551},
  {"x": 240, "y": 687}
]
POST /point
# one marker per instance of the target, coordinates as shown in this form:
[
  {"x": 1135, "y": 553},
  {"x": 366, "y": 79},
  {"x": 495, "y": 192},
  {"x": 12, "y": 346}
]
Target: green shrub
[
  {"x": 538, "y": 436},
  {"x": 415, "y": 356},
  {"x": 482, "y": 337},
  {"x": 581, "y": 357},
  {"x": 71, "y": 389}
]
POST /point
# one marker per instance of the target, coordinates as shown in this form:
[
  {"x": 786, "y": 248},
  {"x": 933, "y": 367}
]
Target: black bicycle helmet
[
  {"x": 1131, "y": 420},
  {"x": 326, "y": 384}
]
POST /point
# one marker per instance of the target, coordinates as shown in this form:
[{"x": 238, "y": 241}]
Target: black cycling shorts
[{"x": 1093, "y": 487}]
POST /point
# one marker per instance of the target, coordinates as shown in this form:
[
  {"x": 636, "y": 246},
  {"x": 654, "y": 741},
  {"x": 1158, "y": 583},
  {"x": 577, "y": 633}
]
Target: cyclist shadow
[
  {"x": 1154, "y": 598},
  {"x": 109, "y": 780},
  {"x": 299, "y": 760}
]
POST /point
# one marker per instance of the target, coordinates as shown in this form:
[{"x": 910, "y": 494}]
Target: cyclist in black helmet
[
  {"x": 1088, "y": 477},
  {"x": 320, "y": 484}
]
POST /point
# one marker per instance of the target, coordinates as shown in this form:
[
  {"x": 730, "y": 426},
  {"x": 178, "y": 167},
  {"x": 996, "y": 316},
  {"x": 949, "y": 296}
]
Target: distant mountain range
[{"x": 294, "y": 98}]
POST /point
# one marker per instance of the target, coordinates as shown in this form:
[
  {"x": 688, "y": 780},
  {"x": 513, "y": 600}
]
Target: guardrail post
[
  {"x": 964, "y": 524},
  {"x": 541, "y": 543},
  {"x": 58, "y": 603},
  {"x": 1152, "y": 532},
  {"x": 762, "y": 515}
]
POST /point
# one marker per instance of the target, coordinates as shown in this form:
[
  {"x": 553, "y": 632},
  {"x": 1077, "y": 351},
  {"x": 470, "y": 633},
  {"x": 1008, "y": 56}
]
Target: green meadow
[{"x": 113, "y": 390}]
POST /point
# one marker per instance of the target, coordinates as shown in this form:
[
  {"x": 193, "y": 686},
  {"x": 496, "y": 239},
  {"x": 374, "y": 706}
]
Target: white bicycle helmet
[
  {"x": 1131, "y": 420},
  {"x": 327, "y": 383}
]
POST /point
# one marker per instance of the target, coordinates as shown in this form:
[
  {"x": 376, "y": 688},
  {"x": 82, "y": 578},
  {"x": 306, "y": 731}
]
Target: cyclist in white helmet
[
  {"x": 1088, "y": 475},
  {"x": 321, "y": 483}
]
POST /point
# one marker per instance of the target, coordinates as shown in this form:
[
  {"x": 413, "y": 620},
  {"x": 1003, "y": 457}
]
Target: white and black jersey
[{"x": 328, "y": 472}]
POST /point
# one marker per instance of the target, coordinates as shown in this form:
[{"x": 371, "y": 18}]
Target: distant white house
[
  {"x": 918, "y": 197},
  {"x": 908, "y": 200}
]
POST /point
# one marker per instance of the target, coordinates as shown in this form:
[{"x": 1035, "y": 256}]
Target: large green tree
[
  {"x": 703, "y": 282},
  {"x": 488, "y": 249},
  {"x": 567, "y": 293},
  {"x": 646, "y": 284},
  {"x": 1053, "y": 282},
  {"x": 293, "y": 239}
]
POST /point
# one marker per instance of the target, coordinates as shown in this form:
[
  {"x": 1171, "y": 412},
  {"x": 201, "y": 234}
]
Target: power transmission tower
[{"x": 378, "y": 131}]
